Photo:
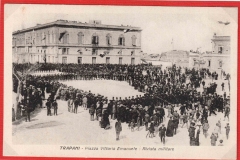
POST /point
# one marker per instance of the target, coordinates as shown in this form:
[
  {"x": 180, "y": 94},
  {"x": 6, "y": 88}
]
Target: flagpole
[{"x": 173, "y": 44}]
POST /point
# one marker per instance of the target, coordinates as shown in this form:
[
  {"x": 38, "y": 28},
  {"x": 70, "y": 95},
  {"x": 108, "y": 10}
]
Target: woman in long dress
[{"x": 170, "y": 128}]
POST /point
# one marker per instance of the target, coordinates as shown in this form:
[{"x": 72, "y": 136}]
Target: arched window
[
  {"x": 95, "y": 40},
  {"x": 134, "y": 38},
  {"x": 121, "y": 40},
  {"x": 109, "y": 39},
  {"x": 80, "y": 38}
]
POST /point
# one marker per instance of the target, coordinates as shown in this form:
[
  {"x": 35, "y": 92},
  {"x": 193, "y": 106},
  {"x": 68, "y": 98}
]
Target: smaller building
[{"x": 217, "y": 60}]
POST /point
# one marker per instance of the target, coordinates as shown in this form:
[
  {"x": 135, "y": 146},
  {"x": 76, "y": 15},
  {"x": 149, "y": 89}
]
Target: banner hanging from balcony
[{"x": 62, "y": 34}]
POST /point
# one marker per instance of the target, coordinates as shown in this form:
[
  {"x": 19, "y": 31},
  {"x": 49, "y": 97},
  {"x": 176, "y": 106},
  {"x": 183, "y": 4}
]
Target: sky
[{"x": 188, "y": 28}]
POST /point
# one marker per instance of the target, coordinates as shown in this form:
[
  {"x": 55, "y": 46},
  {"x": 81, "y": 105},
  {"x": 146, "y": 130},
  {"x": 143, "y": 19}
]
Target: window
[
  {"x": 220, "y": 50},
  {"x": 120, "y": 60},
  {"x": 109, "y": 39},
  {"x": 93, "y": 60},
  {"x": 132, "y": 61},
  {"x": 80, "y": 38},
  {"x": 94, "y": 51},
  {"x": 95, "y": 39},
  {"x": 121, "y": 40},
  {"x": 65, "y": 50},
  {"x": 107, "y": 60},
  {"x": 134, "y": 40},
  {"x": 66, "y": 38},
  {"x": 79, "y": 60},
  {"x": 209, "y": 63},
  {"x": 64, "y": 60}
]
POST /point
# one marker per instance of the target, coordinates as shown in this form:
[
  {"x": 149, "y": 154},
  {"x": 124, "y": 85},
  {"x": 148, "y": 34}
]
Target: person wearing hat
[
  {"x": 84, "y": 102},
  {"x": 227, "y": 130},
  {"x": 227, "y": 112},
  {"x": 175, "y": 121},
  {"x": 48, "y": 104},
  {"x": 55, "y": 107},
  {"x": 191, "y": 132},
  {"x": 170, "y": 127},
  {"x": 161, "y": 114},
  {"x": 162, "y": 133}
]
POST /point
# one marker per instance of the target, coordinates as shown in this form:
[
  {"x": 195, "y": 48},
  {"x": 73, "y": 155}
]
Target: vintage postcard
[{"x": 120, "y": 81}]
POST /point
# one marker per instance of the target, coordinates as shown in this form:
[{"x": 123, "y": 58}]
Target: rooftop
[{"x": 91, "y": 24}]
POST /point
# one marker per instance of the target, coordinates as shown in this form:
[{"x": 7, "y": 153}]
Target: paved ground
[{"x": 69, "y": 128}]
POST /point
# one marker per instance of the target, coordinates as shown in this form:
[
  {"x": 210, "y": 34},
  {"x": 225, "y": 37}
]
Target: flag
[
  {"x": 44, "y": 57},
  {"x": 144, "y": 61},
  {"x": 62, "y": 34},
  {"x": 132, "y": 52},
  {"x": 120, "y": 52},
  {"x": 104, "y": 54}
]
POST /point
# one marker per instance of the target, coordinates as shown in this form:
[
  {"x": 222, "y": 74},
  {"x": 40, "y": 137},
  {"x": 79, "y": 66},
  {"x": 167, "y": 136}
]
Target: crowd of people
[{"x": 173, "y": 89}]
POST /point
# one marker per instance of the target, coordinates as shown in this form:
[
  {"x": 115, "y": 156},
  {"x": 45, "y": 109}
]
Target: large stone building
[
  {"x": 216, "y": 60},
  {"x": 64, "y": 41}
]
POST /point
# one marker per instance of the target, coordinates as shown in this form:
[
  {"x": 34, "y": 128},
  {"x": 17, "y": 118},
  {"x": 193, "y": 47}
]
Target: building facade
[
  {"x": 216, "y": 60},
  {"x": 64, "y": 41}
]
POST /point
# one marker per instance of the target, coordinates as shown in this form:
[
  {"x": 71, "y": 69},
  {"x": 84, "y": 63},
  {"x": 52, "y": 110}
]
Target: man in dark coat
[
  {"x": 176, "y": 121},
  {"x": 191, "y": 131},
  {"x": 55, "y": 107},
  {"x": 161, "y": 114},
  {"x": 48, "y": 104},
  {"x": 76, "y": 103},
  {"x": 170, "y": 128},
  {"x": 162, "y": 133},
  {"x": 28, "y": 111}
]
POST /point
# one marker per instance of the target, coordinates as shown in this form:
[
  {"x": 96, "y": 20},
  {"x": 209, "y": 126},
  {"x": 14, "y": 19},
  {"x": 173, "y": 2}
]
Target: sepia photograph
[{"x": 120, "y": 81}]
